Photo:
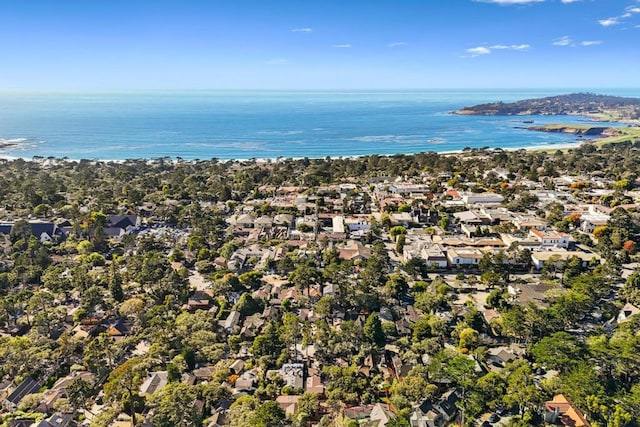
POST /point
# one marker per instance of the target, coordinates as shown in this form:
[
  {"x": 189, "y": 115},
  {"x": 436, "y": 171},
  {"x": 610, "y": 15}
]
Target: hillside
[{"x": 604, "y": 106}]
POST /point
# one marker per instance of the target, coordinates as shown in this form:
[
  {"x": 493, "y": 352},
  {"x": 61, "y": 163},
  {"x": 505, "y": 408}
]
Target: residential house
[
  {"x": 464, "y": 256},
  {"x": 471, "y": 217},
  {"x": 293, "y": 375},
  {"x": 434, "y": 256},
  {"x": 354, "y": 251},
  {"x": 246, "y": 382},
  {"x": 358, "y": 223},
  {"x": 126, "y": 222},
  {"x": 263, "y": 223},
  {"x": 237, "y": 366},
  {"x": 551, "y": 238},
  {"x": 539, "y": 258},
  {"x": 589, "y": 222},
  {"x": 563, "y": 411},
  {"x": 500, "y": 356},
  {"x": 314, "y": 382},
  {"x": 57, "y": 420},
  {"x": 28, "y": 386},
  {"x": 436, "y": 413},
  {"x": 627, "y": 311},
  {"x": 199, "y": 300},
  {"x": 482, "y": 198},
  {"x": 154, "y": 382},
  {"x": 240, "y": 257},
  {"x": 45, "y": 231},
  {"x": 231, "y": 321},
  {"x": 380, "y": 415},
  {"x": 525, "y": 223},
  {"x": 288, "y": 403},
  {"x": 402, "y": 218}
]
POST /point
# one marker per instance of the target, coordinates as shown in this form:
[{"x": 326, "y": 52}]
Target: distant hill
[{"x": 605, "y": 106}]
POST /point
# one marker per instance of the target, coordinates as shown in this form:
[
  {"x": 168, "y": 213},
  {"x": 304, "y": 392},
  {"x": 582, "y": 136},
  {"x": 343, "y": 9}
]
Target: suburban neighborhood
[{"x": 419, "y": 292}]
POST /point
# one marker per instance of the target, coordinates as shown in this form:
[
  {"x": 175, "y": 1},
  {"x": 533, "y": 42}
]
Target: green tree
[
  {"x": 270, "y": 414},
  {"x": 79, "y": 393},
  {"x": 246, "y": 305},
  {"x": 469, "y": 338},
  {"x": 558, "y": 351},
  {"x": 396, "y": 231},
  {"x": 123, "y": 383},
  {"x": 373, "y": 330},
  {"x": 308, "y": 408},
  {"x": 521, "y": 390},
  {"x": 174, "y": 405}
]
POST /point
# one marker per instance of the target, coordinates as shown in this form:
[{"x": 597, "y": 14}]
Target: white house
[
  {"x": 539, "y": 258},
  {"x": 464, "y": 256},
  {"x": 434, "y": 256},
  {"x": 357, "y": 223},
  {"x": 589, "y": 222},
  {"x": 482, "y": 198},
  {"x": 551, "y": 238}
]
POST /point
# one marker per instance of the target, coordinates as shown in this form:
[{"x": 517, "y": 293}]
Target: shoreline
[{"x": 266, "y": 160}]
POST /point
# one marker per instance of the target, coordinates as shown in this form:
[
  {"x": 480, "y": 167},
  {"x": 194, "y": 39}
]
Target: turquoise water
[{"x": 242, "y": 125}]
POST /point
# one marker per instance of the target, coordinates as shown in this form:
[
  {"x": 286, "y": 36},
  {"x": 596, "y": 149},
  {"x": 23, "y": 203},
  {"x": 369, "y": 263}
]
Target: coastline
[{"x": 551, "y": 146}]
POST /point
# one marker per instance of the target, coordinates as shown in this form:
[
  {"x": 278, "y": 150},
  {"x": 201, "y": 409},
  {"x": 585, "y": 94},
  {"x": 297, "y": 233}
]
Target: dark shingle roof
[{"x": 27, "y": 386}]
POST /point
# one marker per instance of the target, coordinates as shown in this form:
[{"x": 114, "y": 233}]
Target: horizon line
[{"x": 345, "y": 89}]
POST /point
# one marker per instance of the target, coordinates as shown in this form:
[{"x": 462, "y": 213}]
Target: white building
[
  {"x": 482, "y": 198},
  {"x": 464, "y": 256},
  {"x": 551, "y": 238}
]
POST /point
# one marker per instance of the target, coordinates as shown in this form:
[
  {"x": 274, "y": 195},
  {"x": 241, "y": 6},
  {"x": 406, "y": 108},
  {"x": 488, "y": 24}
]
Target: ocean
[{"x": 265, "y": 124}]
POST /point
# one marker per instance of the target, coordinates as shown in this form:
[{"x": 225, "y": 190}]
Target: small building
[
  {"x": 231, "y": 321},
  {"x": 289, "y": 404},
  {"x": 627, "y": 311},
  {"x": 154, "y": 382}
]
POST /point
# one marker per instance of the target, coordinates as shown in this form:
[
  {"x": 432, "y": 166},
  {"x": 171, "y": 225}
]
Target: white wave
[
  {"x": 246, "y": 146},
  {"x": 398, "y": 139},
  {"x": 12, "y": 140},
  {"x": 280, "y": 132}
]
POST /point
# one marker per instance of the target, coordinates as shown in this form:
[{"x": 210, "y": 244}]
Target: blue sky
[{"x": 318, "y": 44}]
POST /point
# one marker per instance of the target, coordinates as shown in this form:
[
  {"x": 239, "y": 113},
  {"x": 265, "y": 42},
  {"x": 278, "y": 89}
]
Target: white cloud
[
  {"x": 397, "y": 44},
  {"x": 342, "y": 46},
  {"x": 302, "y": 30},
  {"x": 628, "y": 13},
  {"x": 609, "y": 22},
  {"x": 570, "y": 1},
  {"x": 510, "y": 47},
  {"x": 486, "y": 50},
  {"x": 477, "y": 51},
  {"x": 566, "y": 41},
  {"x": 563, "y": 41}
]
